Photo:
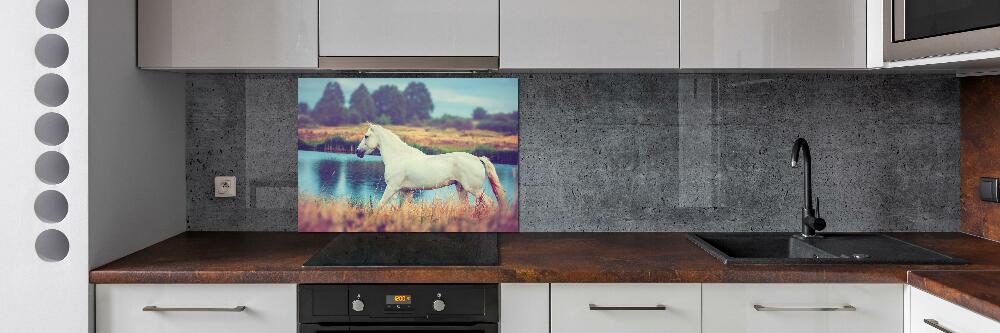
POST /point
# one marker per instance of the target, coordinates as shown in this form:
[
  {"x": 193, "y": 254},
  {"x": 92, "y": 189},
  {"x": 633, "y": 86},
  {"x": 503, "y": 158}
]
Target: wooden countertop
[
  {"x": 974, "y": 290},
  {"x": 268, "y": 257}
]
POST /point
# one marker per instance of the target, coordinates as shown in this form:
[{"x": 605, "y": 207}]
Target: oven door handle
[
  {"x": 310, "y": 328},
  {"x": 485, "y": 328}
]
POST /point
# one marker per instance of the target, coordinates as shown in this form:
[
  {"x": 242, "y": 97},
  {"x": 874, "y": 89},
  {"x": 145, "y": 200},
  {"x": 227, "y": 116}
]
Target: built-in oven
[
  {"x": 388, "y": 308},
  {"x": 916, "y": 29}
]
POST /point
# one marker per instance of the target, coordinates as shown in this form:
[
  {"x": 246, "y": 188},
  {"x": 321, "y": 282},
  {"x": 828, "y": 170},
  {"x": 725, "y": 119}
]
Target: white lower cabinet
[
  {"x": 195, "y": 308},
  {"x": 625, "y": 307},
  {"x": 802, "y": 308},
  {"x": 569, "y": 307},
  {"x": 930, "y": 314},
  {"x": 524, "y": 308}
]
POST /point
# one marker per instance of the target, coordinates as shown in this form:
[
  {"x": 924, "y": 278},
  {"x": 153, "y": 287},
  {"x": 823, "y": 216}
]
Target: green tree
[
  {"x": 329, "y": 109},
  {"x": 450, "y": 121},
  {"x": 362, "y": 106},
  {"x": 419, "y": 104},
  {"x": 303, "y": 115},
  {"x": 390, "y": 103},
  {"x": 500, "y": 122},
  {"x": 479, "y": 113}
]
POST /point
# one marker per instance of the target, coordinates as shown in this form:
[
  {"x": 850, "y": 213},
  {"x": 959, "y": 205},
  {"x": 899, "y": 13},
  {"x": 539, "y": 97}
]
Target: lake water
[{"x": 345, "y": 176}]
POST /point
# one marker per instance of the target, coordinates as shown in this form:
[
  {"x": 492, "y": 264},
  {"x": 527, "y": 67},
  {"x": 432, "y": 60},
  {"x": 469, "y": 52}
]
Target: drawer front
[
  {"x": 797, "y": 308},
  {"x": 572, "y": 311},
  {"x": 946, "y": 315},
  {"x": 269, "y": 308}
]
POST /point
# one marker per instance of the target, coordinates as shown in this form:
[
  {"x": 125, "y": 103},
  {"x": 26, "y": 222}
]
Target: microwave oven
[{"x": 915, "y": 29}]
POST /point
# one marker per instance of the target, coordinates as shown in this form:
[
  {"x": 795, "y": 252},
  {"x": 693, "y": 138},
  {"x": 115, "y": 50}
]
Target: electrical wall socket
[
  {"x": 988, "y": 189},
  {"x": 225, "y": 187}
]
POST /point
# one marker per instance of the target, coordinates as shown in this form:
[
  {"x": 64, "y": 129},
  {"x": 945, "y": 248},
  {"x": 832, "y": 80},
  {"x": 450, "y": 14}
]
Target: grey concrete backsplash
[{"x": 639, "y": 152}]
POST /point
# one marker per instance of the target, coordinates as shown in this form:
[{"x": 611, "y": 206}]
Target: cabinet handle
[
  {"x": 657, "y": 307},
  {"x": 935, "y": 324},
  {"x": 759, "y": 307},
  {"x": 154, "y": 308}
]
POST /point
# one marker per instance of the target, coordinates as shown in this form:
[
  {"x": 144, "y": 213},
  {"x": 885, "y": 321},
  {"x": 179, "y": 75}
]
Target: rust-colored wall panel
[{"x": 980, "y": 153}]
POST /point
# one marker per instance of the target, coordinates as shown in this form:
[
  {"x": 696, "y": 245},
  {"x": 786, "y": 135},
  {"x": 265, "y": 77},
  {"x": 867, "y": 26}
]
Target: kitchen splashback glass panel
[{"x": 407, "y": 154}]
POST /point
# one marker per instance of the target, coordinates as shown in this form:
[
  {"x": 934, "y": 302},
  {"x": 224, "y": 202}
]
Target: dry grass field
[
  {"x": 340, "y": 215},
  {"x": 445, "y": 139}
]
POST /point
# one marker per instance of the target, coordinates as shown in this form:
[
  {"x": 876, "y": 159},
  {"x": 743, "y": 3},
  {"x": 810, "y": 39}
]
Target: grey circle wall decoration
[
  {"x": 51, "y": 206},
  {"x": 51, "y": 129},
  {"x": 52, "y": 245},
  {"x": 52, "y": 13},
  {"x": 51, "y": 51},
  {"x": 52, "y": 167},
  {"x": 51, "y": 90}
]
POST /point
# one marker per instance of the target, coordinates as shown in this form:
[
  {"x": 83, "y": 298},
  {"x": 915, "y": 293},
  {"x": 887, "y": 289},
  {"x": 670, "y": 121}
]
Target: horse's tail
[{"x": 491, "y": 174}]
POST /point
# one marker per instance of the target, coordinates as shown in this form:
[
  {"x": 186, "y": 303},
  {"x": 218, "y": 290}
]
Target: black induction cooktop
[{"x": 408, "y": 249}]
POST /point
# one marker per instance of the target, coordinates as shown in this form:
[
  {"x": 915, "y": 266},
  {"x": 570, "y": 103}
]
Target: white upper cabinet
[
  {"x": 589, "y": 34},
  {"x": 776, "y": 34},
  {"x": 179, "y": 34},
  {"x": 408, "y": 28},
  {"x": 511, "y": 34}
]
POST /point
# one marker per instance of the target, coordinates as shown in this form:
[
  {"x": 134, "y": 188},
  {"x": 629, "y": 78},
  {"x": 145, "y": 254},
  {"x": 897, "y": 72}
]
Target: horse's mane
[{"x": 387, "y": 135}]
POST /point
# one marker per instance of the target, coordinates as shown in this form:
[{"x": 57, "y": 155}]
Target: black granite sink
[{"x": 833, "y": 248}]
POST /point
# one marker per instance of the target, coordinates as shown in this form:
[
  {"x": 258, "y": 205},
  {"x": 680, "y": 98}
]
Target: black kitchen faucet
[{"x": 810, "y": 221}]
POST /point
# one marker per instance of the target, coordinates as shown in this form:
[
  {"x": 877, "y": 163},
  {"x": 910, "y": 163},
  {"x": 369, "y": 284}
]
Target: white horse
[{"x": 408, "y": 169}]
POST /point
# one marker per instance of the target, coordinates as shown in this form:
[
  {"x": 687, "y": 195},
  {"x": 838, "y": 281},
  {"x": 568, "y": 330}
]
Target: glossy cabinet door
[
  {"x": 625, "y": 307},
  {"x": 196, "y": 308},
  {"x": 589, "y": 34},
  {"x": 524, "y": 308},
  {"x": 802, "y": 308},
  {"x": 408, "y": 28},
  {"x": 773, "y": 34},
  {"x": 218, "y": 34},
  {"x": 930, "y": 314}
]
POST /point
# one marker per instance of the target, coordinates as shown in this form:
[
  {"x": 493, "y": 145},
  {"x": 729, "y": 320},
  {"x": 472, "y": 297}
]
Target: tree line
[{"x": 390, "y": 106}]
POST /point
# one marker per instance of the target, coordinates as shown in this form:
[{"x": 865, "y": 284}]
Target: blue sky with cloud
[{"x": 453, "y": 96}]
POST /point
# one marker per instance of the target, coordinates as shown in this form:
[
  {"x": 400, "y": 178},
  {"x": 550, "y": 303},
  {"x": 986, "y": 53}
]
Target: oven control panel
[{"x": 398, "y": 303}]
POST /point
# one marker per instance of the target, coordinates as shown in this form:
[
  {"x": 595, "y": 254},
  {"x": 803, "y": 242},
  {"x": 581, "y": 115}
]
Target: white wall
[
  {"x": 38, "y": 295},
  {"x": 125, "y": 182},
  {"x": 137, "y": 186}
]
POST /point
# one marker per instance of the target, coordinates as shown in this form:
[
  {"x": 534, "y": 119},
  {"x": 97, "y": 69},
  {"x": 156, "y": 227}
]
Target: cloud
[{"x": 451, "y": 96}]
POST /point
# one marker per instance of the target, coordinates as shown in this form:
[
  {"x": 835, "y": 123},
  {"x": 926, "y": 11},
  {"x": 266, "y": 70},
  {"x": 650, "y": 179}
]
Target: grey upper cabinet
[
  {"x": 508, "y": 34},
  {"x": 623, "y": 34},
  {"x": 219, "y": 34},
  {"x": 409, "y": 34},
  {"x": 408, "y": 28},
  {"x": 775, "y": 34}
]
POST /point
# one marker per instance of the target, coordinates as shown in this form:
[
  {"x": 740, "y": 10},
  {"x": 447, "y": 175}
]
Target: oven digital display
[{"x": 398, "y": 299}]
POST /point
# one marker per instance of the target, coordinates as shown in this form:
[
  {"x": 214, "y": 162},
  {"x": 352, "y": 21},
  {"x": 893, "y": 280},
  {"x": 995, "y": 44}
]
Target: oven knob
[
  {"x": 358, "y": 305},
  {"x": 438, "y": 305}
]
